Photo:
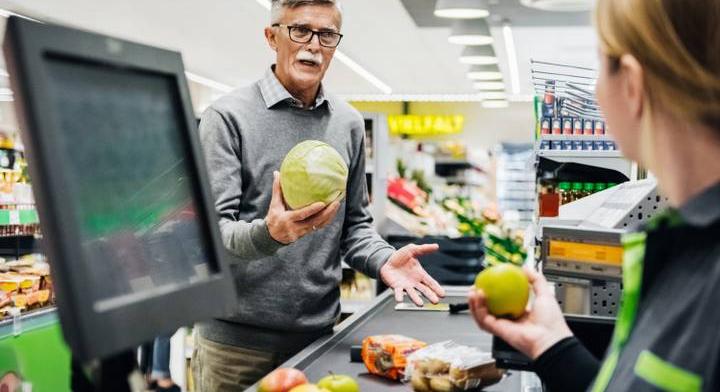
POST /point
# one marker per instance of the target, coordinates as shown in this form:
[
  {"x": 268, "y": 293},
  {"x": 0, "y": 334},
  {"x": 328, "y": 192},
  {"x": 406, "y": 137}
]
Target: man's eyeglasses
[{"x": 303, "y": 35}]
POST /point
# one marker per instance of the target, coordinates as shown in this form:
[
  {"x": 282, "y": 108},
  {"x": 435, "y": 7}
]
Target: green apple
[
  {"x": 339, "y": 383},
  {"x": 308, "y": 388},
  {"x": 506, "y": 289}
]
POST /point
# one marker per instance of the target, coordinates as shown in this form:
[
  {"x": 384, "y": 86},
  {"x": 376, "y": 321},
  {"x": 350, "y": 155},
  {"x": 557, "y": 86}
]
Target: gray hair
[{"x": 279, "y": 5}]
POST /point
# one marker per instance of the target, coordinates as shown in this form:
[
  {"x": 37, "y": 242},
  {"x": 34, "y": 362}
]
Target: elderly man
[{"x": 288, "y": 268}]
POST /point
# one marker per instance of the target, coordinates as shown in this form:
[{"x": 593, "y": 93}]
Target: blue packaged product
[
  {"x": 600, "y": 146},
  {"x": 556, "y": 145},
  {"x": 577, "y": 145},
  {"x": 610, "y": 146},
  {"x": 545, "y": 145},
  {"x": 588, "y": 145},
  {"x": 567, "y": 145}
]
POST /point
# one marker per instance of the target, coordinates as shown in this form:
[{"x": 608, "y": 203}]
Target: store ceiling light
[
  {"x": 461, "y": 9},
  {"x": 213, "y": 84},
  {"x": 512, "y": 59},
  {"x": 487, "y": 86},
  {"x": 495, "y": 104},
  {"x": 478, "y": 55},
  {"x": 559, "y": 5},
  {"x": 493, "y": 95},
  {"x": 470, "y": 32},
  {"x": 484, "y": 72}
]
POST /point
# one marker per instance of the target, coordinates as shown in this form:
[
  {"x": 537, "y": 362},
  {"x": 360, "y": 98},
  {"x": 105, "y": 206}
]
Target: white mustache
[{"x": 308, "y": 56}]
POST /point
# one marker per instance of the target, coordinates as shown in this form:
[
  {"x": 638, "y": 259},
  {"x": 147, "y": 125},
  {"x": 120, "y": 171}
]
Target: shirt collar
[
  {"x": 703, "y": 209},
  {"x": 273, "y": 92}
]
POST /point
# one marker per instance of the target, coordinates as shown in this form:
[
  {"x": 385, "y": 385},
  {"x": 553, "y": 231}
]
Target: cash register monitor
[{"x": 125, "y": 208}]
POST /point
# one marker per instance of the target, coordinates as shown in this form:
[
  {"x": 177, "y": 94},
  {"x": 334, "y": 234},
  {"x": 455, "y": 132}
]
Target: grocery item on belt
[
  {"x": 386, "y": 355},
  {"x": 451, "y": 367}
]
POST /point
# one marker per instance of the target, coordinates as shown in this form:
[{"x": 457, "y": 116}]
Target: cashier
[
  {"x": 288, "y": 270},
  {"x": 659, "y": 88}
]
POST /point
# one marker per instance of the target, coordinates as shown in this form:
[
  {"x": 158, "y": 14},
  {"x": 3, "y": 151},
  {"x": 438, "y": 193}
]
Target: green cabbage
[{"x": 312, "y": 172}]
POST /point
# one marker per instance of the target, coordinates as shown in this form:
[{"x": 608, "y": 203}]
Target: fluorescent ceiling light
[
  {"x": 5, "y": 91},
  {"x": 495, "y": 104},
  {"x": 265, "y": 4},
  {"x": 470, "y": 32},
  {"x": 559, "y": 5},
  {"x": 478, "y": 55},
  {"x": 349, "y": 62},
  {"x": 522, "y": 98},
  {"x": 489, "y": 85},
  {"x": 484, "y": 72},
  {"x": 461, "y": 9},
  {"x": 360, "y": 70},
  {"x": 493, "y": 95},
  {"x": 214, "y": 84},
  {"x": 512, "y": 59},
  {"x": 4, "y": 73}
]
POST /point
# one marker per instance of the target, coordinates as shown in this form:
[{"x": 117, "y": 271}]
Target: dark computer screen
[{"x": 127, "y": 174}]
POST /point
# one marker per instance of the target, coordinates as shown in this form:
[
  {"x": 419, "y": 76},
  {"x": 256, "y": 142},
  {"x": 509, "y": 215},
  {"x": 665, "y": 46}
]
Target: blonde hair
[{"x": 677, "y": 42}]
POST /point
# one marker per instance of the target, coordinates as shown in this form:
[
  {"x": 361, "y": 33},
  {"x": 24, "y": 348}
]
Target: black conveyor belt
[{"x": 332, "y": 353}]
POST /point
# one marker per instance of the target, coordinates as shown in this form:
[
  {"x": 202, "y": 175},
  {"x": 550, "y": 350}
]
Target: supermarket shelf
[
  {"x": 18, "y": 217},
  {"x": 606, "y": 159},
  {"x": 28, "y": 321},
  {"x": 595, "y": 154},
  {"x": 595, "y": 138}
]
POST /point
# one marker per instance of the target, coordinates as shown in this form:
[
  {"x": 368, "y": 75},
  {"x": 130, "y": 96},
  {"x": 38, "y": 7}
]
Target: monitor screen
[{"x": 127, "y": 176}]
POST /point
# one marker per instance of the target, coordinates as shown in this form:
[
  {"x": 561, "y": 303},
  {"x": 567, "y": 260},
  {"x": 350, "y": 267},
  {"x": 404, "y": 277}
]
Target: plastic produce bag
[{"x": 450, "y": 367}]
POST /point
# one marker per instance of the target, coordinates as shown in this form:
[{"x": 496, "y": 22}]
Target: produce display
[
  {"x": 386, "y": 355},
  {"x": 450, "y": 367},
  {"x": 503, "y": 245},
  {"x": 25, "y": 284},
  {"x": 312, "y": 172},
  {"x": 506, "y": 289},
  {"x": 471, "y": 223}
]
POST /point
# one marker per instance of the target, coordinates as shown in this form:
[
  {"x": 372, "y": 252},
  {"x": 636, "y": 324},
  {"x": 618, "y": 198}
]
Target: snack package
[
  {"x": 450, "y": 367},
  {"x": 386, "y": 355}
]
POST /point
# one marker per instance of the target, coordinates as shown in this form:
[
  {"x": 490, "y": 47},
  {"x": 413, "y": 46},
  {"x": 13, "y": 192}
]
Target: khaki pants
[{"x": 223, "y": 368}]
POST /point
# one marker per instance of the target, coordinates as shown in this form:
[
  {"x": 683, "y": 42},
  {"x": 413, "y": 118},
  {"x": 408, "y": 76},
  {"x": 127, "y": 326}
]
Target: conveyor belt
[{"x": 332, "y": 354}]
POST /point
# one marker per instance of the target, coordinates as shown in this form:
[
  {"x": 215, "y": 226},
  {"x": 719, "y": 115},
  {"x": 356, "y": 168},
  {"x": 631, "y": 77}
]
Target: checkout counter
[{"x": 332, "y": 353}]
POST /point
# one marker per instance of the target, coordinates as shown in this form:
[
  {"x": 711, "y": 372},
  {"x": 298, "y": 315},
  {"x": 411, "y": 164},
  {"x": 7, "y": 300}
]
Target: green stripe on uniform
[
  {"x": 633, "y": 257},
  {"x": 665, "y": 375}
]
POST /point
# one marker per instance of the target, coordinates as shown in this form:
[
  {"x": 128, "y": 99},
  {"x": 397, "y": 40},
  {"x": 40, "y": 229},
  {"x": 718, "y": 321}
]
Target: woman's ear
[
  {"x": 271, "y": 38},
  {"x": 633, "y": 84}
]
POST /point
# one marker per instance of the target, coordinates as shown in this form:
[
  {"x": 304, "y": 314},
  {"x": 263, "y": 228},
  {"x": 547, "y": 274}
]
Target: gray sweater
[{"x": 288, "y": 295}]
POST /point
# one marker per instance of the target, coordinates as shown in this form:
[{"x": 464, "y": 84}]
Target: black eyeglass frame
[{"x": 312, "y": 35}]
